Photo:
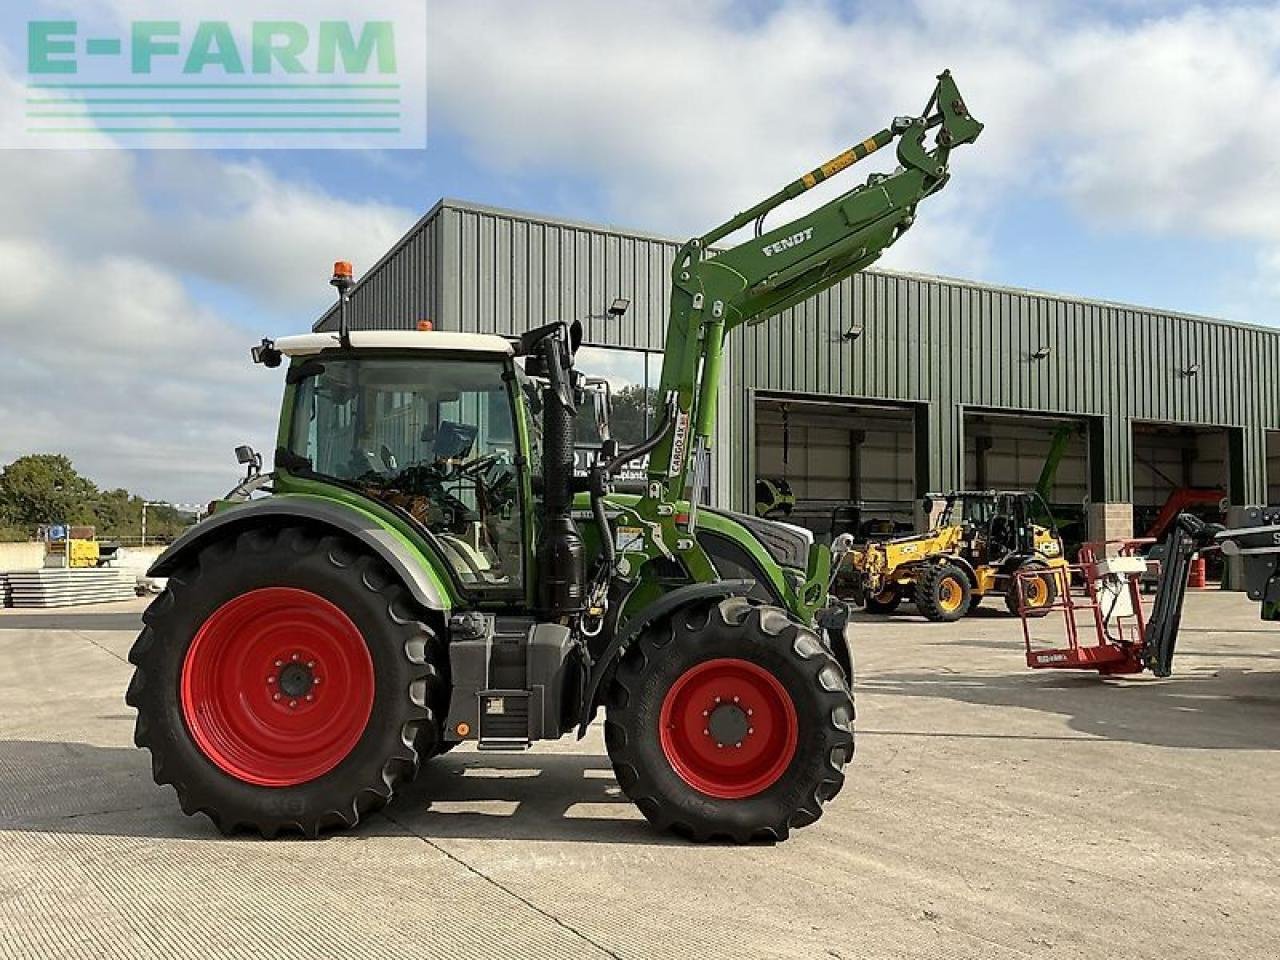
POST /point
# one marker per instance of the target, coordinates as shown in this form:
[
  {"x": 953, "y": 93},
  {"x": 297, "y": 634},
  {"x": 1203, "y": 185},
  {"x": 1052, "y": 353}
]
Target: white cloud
[
  {"x": 108, "y": 354},
  {"x": 136, "y": 282},
  {"x": 121, "y": 344},
  {"x": 1166, "y": 119}
]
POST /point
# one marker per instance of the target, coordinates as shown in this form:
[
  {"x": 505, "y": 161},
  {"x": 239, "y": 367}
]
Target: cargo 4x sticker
[{"x": 679, "y": 440}]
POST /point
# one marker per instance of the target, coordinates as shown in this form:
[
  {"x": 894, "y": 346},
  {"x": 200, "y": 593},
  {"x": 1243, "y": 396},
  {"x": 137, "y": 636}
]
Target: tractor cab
[
  {"x": 998, "y": 528},
  {"x": 431, "y": 425}
]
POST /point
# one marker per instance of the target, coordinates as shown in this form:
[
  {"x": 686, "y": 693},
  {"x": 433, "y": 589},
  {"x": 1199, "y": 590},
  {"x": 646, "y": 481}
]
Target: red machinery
[
  {"x": 1106, "y": 611},
  {"x": 1181, "y": 500}
]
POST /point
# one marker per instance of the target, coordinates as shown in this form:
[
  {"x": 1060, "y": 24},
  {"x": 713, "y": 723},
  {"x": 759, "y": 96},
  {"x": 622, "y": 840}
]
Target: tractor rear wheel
[
  {"x": 886, "y": 601},
  {"x": 943, "y": 592},
  {"x": 1038, "y": 592},
  {"x": 730, "y": 721},
  {"x": 286, "y": 682}
]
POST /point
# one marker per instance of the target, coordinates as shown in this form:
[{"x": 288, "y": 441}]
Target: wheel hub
[
  {"x": 252, "y": 685},
  {"x": 296, "y": 679},
  {"x": 728, "y": 727}
]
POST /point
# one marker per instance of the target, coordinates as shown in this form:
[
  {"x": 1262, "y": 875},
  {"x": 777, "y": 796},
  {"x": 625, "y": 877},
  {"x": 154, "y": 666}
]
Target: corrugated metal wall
[
  {"x": 403, "y": 287},
  {"x": 949, "y": 345}
]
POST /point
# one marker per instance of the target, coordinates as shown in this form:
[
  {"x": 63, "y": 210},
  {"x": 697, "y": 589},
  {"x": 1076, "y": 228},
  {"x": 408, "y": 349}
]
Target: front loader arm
[{"x": 714, "y": 291}]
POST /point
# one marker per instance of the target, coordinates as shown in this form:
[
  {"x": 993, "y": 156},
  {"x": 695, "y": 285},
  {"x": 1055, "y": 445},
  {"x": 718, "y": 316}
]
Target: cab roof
[{"x": 309, "y": 343}]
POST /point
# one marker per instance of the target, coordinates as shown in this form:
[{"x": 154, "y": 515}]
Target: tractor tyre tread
[
  {"x": 770, "y": 638},
  {"x": 410, "y": 680}
]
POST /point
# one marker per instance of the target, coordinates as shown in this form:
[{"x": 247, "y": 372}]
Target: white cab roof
[{"x": 308, "y": 343}]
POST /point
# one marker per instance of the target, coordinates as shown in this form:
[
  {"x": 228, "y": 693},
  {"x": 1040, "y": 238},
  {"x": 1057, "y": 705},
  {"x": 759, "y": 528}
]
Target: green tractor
[{"x": 423, "y": 567}]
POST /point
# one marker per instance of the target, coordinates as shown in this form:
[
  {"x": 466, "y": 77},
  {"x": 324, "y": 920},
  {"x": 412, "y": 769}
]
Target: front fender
[
  {"x": 413, "y": 569},
  {"x": 664, "y": 606}
]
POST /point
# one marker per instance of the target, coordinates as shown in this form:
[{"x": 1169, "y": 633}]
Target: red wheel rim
[
  {"x": 728, "y": 728},
  {"x": 277, "y": 687}
]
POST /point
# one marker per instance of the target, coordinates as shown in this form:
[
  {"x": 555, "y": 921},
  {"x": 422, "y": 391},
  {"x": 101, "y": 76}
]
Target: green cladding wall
[{"x": 944, "y": 345}]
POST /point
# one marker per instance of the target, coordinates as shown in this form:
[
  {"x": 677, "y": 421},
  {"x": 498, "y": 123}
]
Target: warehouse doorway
[
  {"x": 850, "y": 466},
  {"x": 1180, "y": 467},
  {"x": 1019, "y": 451}
]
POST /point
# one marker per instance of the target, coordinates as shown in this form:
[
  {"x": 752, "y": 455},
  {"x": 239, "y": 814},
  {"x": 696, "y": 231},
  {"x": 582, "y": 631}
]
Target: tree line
[{"x": 43, "y": 489}]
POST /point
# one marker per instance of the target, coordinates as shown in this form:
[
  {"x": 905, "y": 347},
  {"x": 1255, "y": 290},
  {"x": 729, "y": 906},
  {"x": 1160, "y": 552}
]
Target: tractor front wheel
[
  {"x": 730, "y": 721},
  {"x": 943, "y": 593},
  {"x": 285, "y": 681}
]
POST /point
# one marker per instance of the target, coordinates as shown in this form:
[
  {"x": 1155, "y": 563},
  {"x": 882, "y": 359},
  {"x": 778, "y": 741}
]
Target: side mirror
[
  {"x": 266, "y": 353},
  {"x": 250, "y": 459}
]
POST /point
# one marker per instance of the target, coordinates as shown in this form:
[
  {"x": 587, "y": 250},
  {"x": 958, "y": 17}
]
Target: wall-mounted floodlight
[
  {"x": 1042, "y": 353},
  {"x": 853, "y": 333},
  {"x": 619, "y": 306},
  {"x": 1192, "y": 369}
]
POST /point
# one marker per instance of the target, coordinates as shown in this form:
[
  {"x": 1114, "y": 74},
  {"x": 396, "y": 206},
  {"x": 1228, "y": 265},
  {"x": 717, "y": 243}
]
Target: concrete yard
[{"x": 991, "y": 812}]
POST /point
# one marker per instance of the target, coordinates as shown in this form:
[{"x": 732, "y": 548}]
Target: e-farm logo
[{"x": 259, "y": 82}]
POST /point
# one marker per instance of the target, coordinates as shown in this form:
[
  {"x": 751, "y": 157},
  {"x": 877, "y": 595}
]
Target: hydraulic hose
[{"x": 600, "y": 475}]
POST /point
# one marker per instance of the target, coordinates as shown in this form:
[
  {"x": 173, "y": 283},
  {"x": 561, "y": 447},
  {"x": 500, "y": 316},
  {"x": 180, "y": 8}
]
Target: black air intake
[{"x": 561, "y": 556}]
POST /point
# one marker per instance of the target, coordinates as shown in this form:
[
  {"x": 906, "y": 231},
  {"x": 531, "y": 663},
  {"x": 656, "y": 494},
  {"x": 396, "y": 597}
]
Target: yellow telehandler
[{"x": 978, "y": 545}]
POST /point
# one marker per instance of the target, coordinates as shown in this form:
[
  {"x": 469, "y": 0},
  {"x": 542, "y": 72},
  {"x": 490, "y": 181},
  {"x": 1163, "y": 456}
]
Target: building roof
[{"x": 452, "y": 203}]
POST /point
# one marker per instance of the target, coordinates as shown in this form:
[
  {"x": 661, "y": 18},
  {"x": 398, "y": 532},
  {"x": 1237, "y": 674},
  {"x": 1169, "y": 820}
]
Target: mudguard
[
  {"x": 667, "y": 604},
  {"x": 419, "y": 580}
]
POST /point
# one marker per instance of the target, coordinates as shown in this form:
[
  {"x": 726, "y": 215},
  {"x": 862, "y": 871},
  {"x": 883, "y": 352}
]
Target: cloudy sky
[{"x": 1132, "y": 153}]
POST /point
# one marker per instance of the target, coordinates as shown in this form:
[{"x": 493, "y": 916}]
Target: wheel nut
[
  {"x": 271, "y": 679},
  {"x": 292, "y": 704},
  {"x": 706, "y": 733},
  {"x": 279, "y": 663},
  {"x": 311, "y": 697},
  {"x": 315, "y": 679},
  {"x": 275, "y": 696},
  {"x": 296, "y": 657},
  {"x": 738, "y": 745},
  {"x": 735, "y": 699},
  {"x": 750, "y": 731},
  {"x": 310, "y": 664}
]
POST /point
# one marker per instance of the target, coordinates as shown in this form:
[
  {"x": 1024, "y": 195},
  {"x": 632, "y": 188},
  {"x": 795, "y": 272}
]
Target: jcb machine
[
  {"x": 427, "y": 569},
  {"x": 980, "y": 544}
]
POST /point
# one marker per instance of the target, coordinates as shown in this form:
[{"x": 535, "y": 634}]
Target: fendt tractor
[
  {"x": 983, "y": 543},
  {"x": 423, "y": 567}
]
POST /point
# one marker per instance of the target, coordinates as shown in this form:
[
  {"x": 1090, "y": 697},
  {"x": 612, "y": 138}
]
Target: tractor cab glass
[{"x": 432, "y": 437}]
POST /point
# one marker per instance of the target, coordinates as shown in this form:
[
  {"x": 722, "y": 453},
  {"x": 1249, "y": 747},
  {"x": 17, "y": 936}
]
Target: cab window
[{"x": 432, "y": 436}]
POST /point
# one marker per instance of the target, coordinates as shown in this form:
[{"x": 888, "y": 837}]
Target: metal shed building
[{"x": 958, "y": 384}]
